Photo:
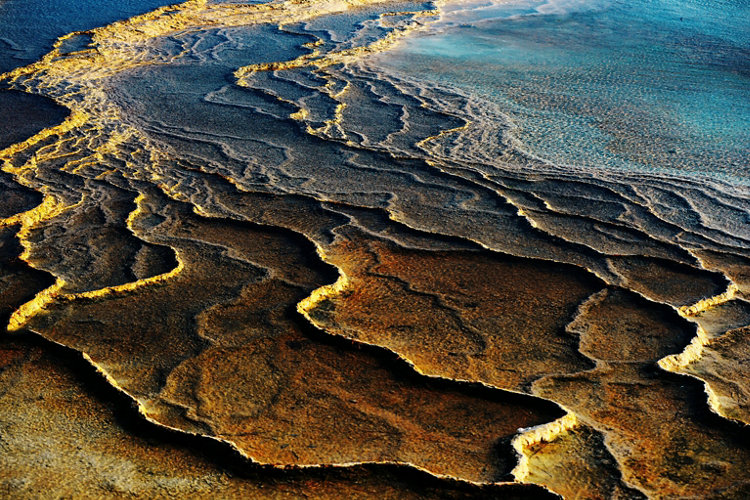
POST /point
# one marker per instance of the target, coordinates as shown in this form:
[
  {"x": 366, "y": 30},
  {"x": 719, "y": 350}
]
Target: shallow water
[
  {"x": 653, "y": 86},
  {"x": 477, "y": 242}
]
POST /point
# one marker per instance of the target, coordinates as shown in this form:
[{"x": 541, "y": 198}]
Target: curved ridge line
[
  {"x": 315, "y": 58},
  {"x": 38, "y": 304},
  {"x": 550, "y": 431},
  {"x": 673, "y": 363},
  {"x": 677, "y": 363},
  {"x": 531, "y": 436},
  {"x": 107, "y": 40},
  {"x": 25, "y": 312},
  {"x": 319, "y": 61},
  {"x": 469, "y": 122},
  {"x": 485, "y": 246},
  {"x": 21, "y": 316},
  {"x": 306, "y": 305},
  {"x": 49, "y": 208},
  {"x": 543, "y": 432},
  {"x": 708, "y": 303},
  {"x": 693, "y": 352},
  {"x": 337, "y": 465},
  {"x": 75, "y": 120}
]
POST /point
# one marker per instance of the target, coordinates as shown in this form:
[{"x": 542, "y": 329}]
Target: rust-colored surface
[
  {"x": 266, "y": 266},
  {"x": 217, "y": 350},
  {"x": 464, "y": 315},
  {"x": 65, "y": 434}
]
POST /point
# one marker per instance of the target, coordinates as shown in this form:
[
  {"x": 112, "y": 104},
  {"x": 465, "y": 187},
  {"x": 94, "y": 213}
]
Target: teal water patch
[
  {"x": 28, "y": 28},
  {"x": 660, "y": 85}
]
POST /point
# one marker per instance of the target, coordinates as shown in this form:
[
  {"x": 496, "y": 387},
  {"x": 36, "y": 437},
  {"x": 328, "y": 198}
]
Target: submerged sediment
[{"x": 265, "y": 238}]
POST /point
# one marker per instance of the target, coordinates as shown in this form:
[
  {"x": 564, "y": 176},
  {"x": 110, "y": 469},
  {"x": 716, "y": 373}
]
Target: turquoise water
[{"x": 661, "y": 85}]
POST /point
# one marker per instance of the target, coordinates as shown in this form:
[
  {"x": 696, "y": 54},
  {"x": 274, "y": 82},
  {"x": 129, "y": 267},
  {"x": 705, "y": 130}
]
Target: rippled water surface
[{"x": 657, "y": 86}]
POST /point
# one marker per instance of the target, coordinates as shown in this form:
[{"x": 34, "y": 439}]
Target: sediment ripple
[{"x": 265, "y": 237}]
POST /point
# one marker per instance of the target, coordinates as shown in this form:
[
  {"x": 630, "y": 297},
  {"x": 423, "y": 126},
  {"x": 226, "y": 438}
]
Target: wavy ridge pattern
[{"x": 212, "y": 192}]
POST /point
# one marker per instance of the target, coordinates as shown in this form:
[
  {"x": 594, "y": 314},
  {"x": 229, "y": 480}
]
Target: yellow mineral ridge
[
  {"x": 126, "y": 45},
  {"x": 676, "y": 363},
  {"x": 710, "y": 302},
  {"x": 48, "y": 209},
  {"x": 525, "y": 442},
  {"x": 318, "y": 60},
  {"x": 121, "y": 45},
  {"x": 541, "y": 433}
]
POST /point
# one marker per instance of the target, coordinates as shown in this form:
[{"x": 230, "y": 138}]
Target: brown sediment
[
  {"x": 477, "y": 316},
  {"x": 214, "y": 350},
  {"x": 574, "y": 462},
  {"x": 736, "y": 267},
  {"x": 668, "y": 282},
  {"x": 713, "y": 356},
  {"x": 723, "y": 317},
  {"x": 655, "y": 425},
  {"x": 68, "y": 434},
  {"x": 619, "y": 326},
  {"x": 722, "y": 365},
  {"x": 722, "y": 346},
  {"x": 717, "y": 355},
  {"x": 190, "y": 309}
]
